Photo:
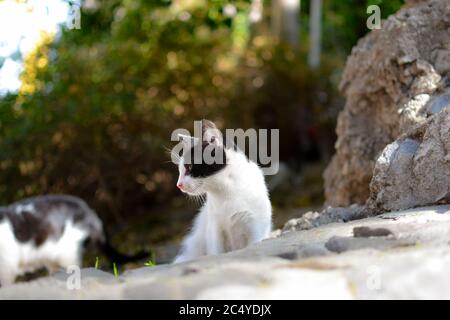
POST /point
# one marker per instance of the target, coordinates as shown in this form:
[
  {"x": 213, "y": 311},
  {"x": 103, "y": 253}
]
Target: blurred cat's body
[
  {"x": 237, "y": 211},
  {"x": 49, "y": 232}
]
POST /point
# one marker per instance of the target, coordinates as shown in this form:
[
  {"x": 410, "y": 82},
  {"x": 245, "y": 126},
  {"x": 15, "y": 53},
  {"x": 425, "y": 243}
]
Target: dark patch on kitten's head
[
  {"x": 203, "y": 169},
  {"x": 212, "y": 142}
]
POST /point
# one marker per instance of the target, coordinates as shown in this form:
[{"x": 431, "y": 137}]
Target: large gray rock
[
  {"x": 400, "y": 255},
  {"x": 391, "y": 79},
  {"x": 414, "y": 170}
]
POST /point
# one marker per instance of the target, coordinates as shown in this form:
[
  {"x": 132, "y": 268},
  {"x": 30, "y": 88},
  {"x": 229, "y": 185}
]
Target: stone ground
[{"x": 396, "y": 255}]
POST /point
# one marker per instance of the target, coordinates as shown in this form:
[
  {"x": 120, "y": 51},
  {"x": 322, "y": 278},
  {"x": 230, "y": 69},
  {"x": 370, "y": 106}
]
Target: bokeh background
[{"x": 92, "y": 109}]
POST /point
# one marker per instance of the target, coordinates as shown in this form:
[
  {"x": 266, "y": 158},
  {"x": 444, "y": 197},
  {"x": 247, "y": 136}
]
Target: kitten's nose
[{"x": 179, "y": 185}]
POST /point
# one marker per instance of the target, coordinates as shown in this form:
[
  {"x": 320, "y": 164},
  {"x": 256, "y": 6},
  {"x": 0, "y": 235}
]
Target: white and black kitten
[
  {"x": 50, "y": 231},
  {"x": 237, "y": 210}
]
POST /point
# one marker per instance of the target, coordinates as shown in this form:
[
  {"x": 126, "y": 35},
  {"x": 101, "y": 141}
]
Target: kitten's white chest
[{"x": 233, "y": 225}]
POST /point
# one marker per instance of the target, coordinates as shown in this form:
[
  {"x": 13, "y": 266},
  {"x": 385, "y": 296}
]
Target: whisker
[
  {"x": 168, "y": 149},
  {"x": 171, "y": 152}
]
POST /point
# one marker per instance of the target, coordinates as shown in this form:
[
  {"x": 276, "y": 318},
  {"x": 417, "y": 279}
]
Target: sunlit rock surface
[{"x": 400, "y": 255}]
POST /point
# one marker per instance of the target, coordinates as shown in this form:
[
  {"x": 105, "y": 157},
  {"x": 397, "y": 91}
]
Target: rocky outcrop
[
  {"x": 369, "y": 258},
  {"x": 314, "y": 219},
  {"x": 415, "y": 169},
  {"x": 393, "y": 82}
]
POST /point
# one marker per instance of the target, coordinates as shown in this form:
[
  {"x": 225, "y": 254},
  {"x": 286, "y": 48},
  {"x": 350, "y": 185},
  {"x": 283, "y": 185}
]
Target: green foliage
[
  {"x": 151, "y": 262},
  {"x": 98, "y": 105},
  {"x": 344, "y": 22},
  {"x": 115, "y": 270},
  {"x": 96, "y": 120}
]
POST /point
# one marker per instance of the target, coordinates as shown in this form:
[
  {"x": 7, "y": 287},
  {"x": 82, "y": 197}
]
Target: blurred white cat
[{"x": 50, "y": 232}]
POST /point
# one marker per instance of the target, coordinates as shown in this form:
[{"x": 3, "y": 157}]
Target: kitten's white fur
[
  {"x": 237, "y": 211},
  {"x": 50, "y": 231}
]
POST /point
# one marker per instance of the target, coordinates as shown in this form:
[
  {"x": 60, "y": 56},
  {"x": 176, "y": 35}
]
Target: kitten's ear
[
  {"x": 187, "y": 141},
  {"x": 211, "y": 134}
]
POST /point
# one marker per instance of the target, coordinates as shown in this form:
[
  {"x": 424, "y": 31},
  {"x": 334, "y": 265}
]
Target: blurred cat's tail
[
  {"x": 98, "y": 238},
  {"x": 118, "y": 257}
]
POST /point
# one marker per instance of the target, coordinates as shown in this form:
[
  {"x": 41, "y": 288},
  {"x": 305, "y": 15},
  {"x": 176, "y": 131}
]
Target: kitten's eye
[{"x": 188, "y": 167}]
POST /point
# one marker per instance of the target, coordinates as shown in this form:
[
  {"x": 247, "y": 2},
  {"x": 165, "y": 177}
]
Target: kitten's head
[{"x": 201, "y": 160}]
